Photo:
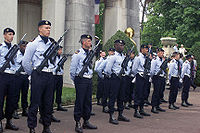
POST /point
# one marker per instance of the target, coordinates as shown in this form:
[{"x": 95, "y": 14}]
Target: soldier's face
[
  {"x": 8, "y": 37},
  {"x": 132, "y": 55},
  {"x": 103, "y": 54},
  {"x": 23, "y": 47},
  {"x": 160, "y": 54},
  {"x": 44, "y": 30},
  {"x": 60, "y": 51},
  {"x": 111, "y": 52},
  {"x": 144, "y": 50},
  {"x": 87, "y": 43},
  {"x": 119, "y": 47}
]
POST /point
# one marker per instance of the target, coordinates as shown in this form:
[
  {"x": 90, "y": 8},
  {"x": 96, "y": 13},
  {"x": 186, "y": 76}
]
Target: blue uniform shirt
[
  {"x": 102, "y": 66},
  {"x": 173, "y": 69},
  {"x": 155, "y": 66},
  {"x": 77, "y": 64},
  {"x": 34, "y": 55},
  {"x": 56, "y": 63},
  {"x": 114, "y": 64},
  {"x": 186, "y": 69},
  {"x": 18, "y": 60},
  {"x": 138, "y": 65},
  {"x": 3, "y": 51},
  {"x": 97, "y": 63}
]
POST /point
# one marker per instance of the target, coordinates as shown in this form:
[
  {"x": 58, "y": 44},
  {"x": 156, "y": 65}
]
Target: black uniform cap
[
  {"x": 6, "y": 30},
  {"x": 188, "y": 56},
  {"x": 144, "y": 46},
  {"x": 85, "y": 36},
  {"x": 111, "y": 49},
  {"x": 44, "y": 22},
  {"x": 120, "y": 41},
  {"x": 160, "y": 50}
]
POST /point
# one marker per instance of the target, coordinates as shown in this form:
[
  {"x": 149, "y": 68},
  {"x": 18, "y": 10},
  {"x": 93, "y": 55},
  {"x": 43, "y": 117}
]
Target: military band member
[
  {"x": 186, "y": 77},
  {"x": 8, "y": 89},
  {"x": 106, "y": 79},
  {"x": 100, "y": 85},
  {"x": 116, "y": 92},
  {"x": 141, "y": 82},
  {"x": 174, "y": 74},
  {"x": 41, "y": 82},
  {"x": 83, "y": 102},
  {"x": 157, "y": 79},
  {"x": 22, "y": 81}
]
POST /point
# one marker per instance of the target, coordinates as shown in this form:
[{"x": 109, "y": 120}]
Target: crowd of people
[{"x": 127, "y": 86}]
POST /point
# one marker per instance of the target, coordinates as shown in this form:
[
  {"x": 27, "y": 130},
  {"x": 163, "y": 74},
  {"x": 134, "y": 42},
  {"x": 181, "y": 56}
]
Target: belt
[
  {"x": 10, "y": 71},
  {"x": 57, "y": 73},
  {"x": 187, "y": 75},
  {"x": 141, "y": 74},
  {"x": 162, "y": 75},
  {"x": 175, "y": 76},
  {"x": 23, "y": 73},
  {"x": 48, "y": 70},
  {"x": 87, "y": 76}
]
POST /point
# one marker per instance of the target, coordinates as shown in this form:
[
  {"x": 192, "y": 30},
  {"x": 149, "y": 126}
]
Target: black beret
[
  {"x": 85, "y": 36},
  {"x": 6, "y": 30},
  {"x": 144, "y": 46},
  {"x": 188, "y": 56},
  {"x": 111, "y": 49},
  {"x": 120, "y": 41},
  {"x": 44, "y": 22},
  {"x": 160, "y": 49}
]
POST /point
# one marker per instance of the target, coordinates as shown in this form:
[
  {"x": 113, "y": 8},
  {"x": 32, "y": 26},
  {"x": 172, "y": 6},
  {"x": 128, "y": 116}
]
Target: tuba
[{"x": 130, "y": 33}]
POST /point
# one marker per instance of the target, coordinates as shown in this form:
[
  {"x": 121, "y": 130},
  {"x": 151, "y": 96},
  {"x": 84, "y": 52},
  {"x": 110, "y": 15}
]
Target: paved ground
[{"x": 183, "y": 120}]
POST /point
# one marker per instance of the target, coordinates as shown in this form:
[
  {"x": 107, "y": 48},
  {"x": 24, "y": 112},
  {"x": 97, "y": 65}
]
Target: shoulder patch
[{"x": 77, "y": 51}]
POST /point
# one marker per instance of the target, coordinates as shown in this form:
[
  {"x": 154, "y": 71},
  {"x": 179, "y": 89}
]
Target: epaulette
[{"x": 77, "y": 51}]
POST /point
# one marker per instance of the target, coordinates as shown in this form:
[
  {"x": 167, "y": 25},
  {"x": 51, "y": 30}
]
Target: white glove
[
  {"x": 134, "y": 79},
  {"x": 181, "y": 80}
]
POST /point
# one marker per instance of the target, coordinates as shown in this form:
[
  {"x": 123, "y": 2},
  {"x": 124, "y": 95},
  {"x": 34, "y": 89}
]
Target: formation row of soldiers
[
  {"x": 17, "y": 63},
  {"x": 39, "y": 60}
]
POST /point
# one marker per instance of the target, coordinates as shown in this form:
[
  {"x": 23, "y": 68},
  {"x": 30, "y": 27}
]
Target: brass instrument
[{"x": 130, "y": 33}]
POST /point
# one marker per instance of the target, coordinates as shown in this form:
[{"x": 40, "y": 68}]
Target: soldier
[
  {"x": 8, "y": 89},
  {"x": 41, "y": 82},
  {"x": 100, "y": 85},
  {"x": 157, "y": 75},
  {"x": 141, "y": 81},
  {"x": 83, "y": 103},
  {"x": 106, "y": 79},
  {"x": 22, "y": 81},
  {"x": 127, "y": 82},
  {"x": 174, "y": 74},
  {"x": 116, "y": 92},
  {"x": 186, "y": 78},
  {"x": 58, "y": 81}
]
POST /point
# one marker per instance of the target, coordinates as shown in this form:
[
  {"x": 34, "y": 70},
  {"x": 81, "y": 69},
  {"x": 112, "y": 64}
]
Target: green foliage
[
  {"x": 195, "y": 50},
  {"x": 173, "y": 18},
  {"x": 122, "y": 36}
]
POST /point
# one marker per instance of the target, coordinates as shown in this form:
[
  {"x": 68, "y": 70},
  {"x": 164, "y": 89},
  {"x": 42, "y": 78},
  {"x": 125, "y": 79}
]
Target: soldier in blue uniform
[
  {"x": 41, "y": 82},
  {"x": 186, "y": 78},
  {"x": 106, "y": 79},
  {"x": 83, "y": 103},
  {"x": 174, "y": 74},
  {"x": 113, "y": 68},
  {"x": 22, "y": 81},
  {"x": 58, "y": 81},
  {"x": 7, "y": 83},
  {"x": 141, "y": 82},
  {"x": 157, "y": 79},
  {"x": 100, "y": 85}
]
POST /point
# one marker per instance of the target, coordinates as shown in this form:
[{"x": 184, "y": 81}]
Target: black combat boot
[
  {"x": 184, "y": 104},
  {"x": 137, "y": 113},
  {"x": 172, "y": 107},
  {"x": 126, "y": 106},
  {"x": 175, "y": 106},
  {"x": 158, "y": 108},
  {"x": 153, "y": 110},
  {"x": 54, "y": 119},
  {"x": 10, "y": 125},
  {"x": 46, "y": 129},
  {"x": 105, "y": 110},
  {"x": 25, "y": 112},
  {"x": 113, "y": 120},
  {"x": 15, "y": 115},
  {"x": 32, "y": 130},
  {"x": 78, "y": 127},
  {"x": 1, "y": 127},
  {"x": 189, "y": 104},
  {"x": 60, "y": 108},
  {"x": 122, "y": 118},
  {"x": 142, "y": 112},
  {"x": 88, "y": 125}
]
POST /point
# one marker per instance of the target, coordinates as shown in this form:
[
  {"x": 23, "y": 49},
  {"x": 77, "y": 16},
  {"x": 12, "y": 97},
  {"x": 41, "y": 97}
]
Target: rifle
[
  {"x": 88, "y": 59},
  {"x": 163, "y": 66},
  {"x": 61, "y": 62},
  {"x": 11, "y": 54},
  {"x": 50, "y": 53},
  {"x": 21, "y": 69},
  {"x": 147, "y": 66},
  {"x": 125, "y": 62}
]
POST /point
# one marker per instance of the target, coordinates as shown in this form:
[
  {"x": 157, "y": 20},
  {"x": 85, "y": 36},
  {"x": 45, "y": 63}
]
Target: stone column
[
  {"x": 8, "y": 13},
  {"x": 80, "y": 20},
  {"x": 54, "y": 11},
  {"x": 119, "y": 15}
]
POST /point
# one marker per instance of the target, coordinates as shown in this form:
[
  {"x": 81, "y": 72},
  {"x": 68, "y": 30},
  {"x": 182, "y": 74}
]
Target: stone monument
[{"x": 168, "y": 43}]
